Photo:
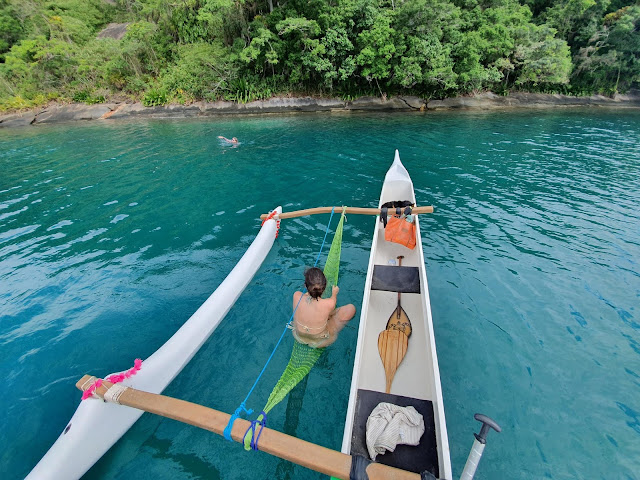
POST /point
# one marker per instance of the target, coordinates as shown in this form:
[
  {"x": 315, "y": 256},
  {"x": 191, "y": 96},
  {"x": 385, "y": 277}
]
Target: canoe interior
[
  {"x": 419, "y": 458},
  {"x": 414, "y": 377},
  {"x": 417, "y": 378}
]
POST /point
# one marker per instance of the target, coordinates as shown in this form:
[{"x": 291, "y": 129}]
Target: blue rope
[
  {"x": 242, "y": 407},
  {"x": 252, "y": 429},
  {"x": 236, "y": 414},
  {"x": 325, "y": 237}
]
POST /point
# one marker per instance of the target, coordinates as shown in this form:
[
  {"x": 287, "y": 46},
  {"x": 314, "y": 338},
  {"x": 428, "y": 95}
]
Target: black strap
[
  {"x": 398, "y": 203},
  {"x": 426, "y": 475},
  {"x": 399, "y": 206},
  {"x": 359, "y": 466}
]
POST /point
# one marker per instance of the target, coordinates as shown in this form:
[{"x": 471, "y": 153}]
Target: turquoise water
[{"x": 112, "y": 235}]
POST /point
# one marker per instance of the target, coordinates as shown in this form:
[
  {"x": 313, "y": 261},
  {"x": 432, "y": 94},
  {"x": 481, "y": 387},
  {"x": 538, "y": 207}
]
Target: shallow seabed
[{"x": 112, "y": 235}]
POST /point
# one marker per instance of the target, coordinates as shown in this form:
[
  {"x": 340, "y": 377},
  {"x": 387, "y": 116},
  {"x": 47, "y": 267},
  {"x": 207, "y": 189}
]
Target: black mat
[
  {"x": 413, "y": 458},
  {"x": 392, "y": 278}
]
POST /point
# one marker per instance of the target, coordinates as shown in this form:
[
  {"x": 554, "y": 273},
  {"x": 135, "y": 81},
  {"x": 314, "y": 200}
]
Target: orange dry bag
[{"x": 399, "y": 230}]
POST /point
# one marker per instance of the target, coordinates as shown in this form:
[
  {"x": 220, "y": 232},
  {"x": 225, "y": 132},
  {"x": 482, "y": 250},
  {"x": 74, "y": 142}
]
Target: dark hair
[{"x": 315, "y": 281}]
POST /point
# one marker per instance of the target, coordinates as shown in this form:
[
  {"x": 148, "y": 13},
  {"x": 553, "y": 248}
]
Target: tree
[
  {"x": 377, "y": 48},
  {"x": 10, "y": 28},
  {"x": 566, "y": 15},
  {"x": 612, "y": 59},
  {"x": 542, "y": 58},
  {"x": 426, "y": 30}
]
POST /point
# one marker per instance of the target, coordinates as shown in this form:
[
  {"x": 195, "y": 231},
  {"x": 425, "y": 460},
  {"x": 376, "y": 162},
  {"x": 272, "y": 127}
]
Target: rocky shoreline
[{"x": 483, "y": 101}]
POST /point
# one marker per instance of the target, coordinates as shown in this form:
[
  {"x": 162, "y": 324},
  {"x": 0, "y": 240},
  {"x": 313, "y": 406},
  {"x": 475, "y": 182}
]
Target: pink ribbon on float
[{"x": 115, "y": 378}]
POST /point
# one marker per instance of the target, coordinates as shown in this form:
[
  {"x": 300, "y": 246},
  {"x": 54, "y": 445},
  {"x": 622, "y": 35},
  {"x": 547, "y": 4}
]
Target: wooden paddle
[
  {"x": 399, "y": 319},
  {"x": 394, "y": 341}
]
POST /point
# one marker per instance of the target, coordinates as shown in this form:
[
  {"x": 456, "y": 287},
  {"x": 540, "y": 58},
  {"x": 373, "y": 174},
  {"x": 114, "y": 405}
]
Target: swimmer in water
[{"x": 234, "y": 140}]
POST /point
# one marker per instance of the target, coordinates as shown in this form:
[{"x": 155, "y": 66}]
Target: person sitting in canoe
[
  {"x": 317, "y": 321},
  {"x": 234, "y": 140}
]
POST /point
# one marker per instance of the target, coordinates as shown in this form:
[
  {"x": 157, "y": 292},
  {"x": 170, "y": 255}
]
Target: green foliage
[
  {"x": 87, "y": 97},
  {"x": 201, "y": 71},
  {"x": 244, "y": 90},
  {"x": 543, "y": 58},
  {"x": 74, "y": 21},
  {"x": 38, "y": 65},
  {"x": 426, "y": 33},
  {"x": 192, "y": 21},
  {"x": 377, "y": 48},
  {"x": 566, "y": 15},
  {"x": 611, "y": 61},
  {"x": 154, "y": 97},
  {"x": 10, "y": 28},
  {"x": 263, "y": 48}
]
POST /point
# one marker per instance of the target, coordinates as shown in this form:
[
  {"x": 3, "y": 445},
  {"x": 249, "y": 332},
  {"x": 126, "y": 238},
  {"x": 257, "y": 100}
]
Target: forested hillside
[{"x": 186, "y": 50}]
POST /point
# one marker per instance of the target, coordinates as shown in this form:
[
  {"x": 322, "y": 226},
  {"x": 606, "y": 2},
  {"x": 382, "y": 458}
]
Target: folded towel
[{"x": 390, "y": 425}]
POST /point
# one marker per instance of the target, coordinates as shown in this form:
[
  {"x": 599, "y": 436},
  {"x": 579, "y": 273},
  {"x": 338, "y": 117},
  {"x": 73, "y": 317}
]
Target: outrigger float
[{"x": 395, "y": 368}]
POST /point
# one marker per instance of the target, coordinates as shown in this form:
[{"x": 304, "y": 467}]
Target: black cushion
[
  {"x": 392, "y": 278},
  {"x": 419, "y": 458}
]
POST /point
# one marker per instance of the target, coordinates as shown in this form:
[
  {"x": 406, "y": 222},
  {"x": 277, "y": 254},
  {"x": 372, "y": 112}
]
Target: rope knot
[
  {"x": 272, "y": 215},
  {"x": 236, "y": 415},
  {"x": 115, "y": 378},
  {"x": 253, "y": 440}
]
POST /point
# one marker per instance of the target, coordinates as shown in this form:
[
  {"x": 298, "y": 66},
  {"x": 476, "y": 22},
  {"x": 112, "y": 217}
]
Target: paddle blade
[
  {"x": 392, "y": 345},
  {"x": 399, "y": 320}
]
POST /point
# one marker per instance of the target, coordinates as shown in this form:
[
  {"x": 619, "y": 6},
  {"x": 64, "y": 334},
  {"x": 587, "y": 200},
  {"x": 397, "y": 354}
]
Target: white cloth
[{"x": 390, "y": 425}]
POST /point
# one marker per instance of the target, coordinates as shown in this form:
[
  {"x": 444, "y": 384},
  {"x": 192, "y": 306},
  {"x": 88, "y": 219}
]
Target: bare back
[
  {"x": 311, "y": 313},
  {"x": 317, "y": 322}
]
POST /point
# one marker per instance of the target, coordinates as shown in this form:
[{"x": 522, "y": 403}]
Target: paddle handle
[
  {"x": 309, "y": 455},
  {"x": 353, "y": 210}
]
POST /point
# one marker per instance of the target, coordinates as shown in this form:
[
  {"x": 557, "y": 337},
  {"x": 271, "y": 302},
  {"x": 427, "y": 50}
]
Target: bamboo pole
[
  {"x": 306, "y": 454},
  {"x": 353, "y": 210}
]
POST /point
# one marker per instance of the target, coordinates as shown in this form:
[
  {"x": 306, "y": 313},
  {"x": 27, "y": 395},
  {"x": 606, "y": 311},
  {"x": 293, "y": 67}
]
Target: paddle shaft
[
  {"x": 399, "y": 294},
  {"x": 306, "y": 454},
  {"x": 353, "y": 210}
]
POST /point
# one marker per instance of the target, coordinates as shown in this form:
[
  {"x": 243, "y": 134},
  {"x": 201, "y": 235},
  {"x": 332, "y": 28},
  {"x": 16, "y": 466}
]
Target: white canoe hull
[
  {"x": 418, "y": 375},
  {"x": 97, "y": 425}
]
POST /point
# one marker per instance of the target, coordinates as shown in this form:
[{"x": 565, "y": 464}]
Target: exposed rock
[
  {"x": 17, "y": 119},
  {"x": 284, "y": 104},
  {"x": 482, "y": 101},
  {"x": 383, "y": 104},
  {"x": 274, "y": 105},
  {"x": 166, "y": 111},
  {"x": 486, "y": 101},
  {"x": 68, "y": 113},
  {"x": 490, "y": 100},
  {"x": 114, "y": 30},
  {"x": 414, "y": 102}
]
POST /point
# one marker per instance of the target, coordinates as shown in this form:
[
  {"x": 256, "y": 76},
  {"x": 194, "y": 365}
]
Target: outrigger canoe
[
  {"x": 97, "y": 425},
  {"x": 395, "y": 364},
  {"x": 416, "y": 381}
]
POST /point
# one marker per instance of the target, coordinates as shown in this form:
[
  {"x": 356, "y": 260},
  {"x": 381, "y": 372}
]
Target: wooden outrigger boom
[
  {"x": 301, "y": 452},
  {"x": 353, "y": 210}
]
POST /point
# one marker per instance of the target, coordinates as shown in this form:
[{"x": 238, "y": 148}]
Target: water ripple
[{"x": 113, "y": 234}]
